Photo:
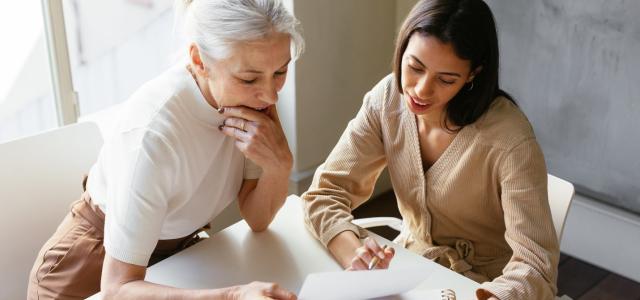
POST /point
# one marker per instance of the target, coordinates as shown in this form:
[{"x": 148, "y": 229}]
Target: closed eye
[
  {"x": 447, "y": 82},
  {"x": 417, "y": 70},
  {"x": 245, "y": 81}
]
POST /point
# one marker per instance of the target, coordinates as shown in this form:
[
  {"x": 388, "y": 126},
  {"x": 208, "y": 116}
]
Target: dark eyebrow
[
  {"x": 260, "y": 72},
  {"x": 443, "y": 73}
]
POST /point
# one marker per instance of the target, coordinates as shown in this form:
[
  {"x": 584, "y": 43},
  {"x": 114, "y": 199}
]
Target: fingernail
[{"x": 381, "y": 255}]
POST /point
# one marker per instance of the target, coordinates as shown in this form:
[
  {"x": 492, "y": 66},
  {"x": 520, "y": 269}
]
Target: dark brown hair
[{"x": 470, "y": 28}]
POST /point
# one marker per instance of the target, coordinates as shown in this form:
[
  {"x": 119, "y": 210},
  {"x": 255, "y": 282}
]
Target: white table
[{"x": 285, "y": 253}]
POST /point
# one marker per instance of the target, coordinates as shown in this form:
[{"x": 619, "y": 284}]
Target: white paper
[{"x": 351, "y": 285}]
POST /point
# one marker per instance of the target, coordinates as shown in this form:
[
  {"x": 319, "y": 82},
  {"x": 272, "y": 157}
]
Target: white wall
[{"x": 603, "y": 235}]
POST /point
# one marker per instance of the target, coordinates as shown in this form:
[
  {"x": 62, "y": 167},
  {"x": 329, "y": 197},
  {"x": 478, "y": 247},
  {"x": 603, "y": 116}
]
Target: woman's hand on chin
[{"x": 259, "y": 135}]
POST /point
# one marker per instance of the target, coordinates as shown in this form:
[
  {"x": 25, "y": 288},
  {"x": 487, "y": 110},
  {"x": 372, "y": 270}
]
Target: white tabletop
[{"x": 285, "y": 253}]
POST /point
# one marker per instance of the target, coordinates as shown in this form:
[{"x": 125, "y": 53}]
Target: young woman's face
[
  {"x": 432, "y": 74},
  {"x": 253, "y": 74}
]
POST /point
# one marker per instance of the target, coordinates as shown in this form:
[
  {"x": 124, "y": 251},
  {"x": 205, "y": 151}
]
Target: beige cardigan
[{"x": 481, "y": 209}]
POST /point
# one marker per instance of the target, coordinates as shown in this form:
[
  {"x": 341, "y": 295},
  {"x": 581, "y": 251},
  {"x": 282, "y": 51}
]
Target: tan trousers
[{"x": 69, "y": 265}]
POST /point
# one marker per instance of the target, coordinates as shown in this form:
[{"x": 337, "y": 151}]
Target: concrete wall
[{"x": 573, "y": 66}]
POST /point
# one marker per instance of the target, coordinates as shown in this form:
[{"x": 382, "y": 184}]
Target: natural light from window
[
  {"x": 26, "y": 98},
  {"x": 20, "y": 23}
]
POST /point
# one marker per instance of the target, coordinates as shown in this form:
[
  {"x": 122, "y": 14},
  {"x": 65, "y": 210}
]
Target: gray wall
[
  {"x": 349, "y": 49},
  {"x": 574, "y": 68}
]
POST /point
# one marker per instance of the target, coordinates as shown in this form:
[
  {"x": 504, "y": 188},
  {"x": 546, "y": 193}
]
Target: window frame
[{"x": 66, "y": 98}]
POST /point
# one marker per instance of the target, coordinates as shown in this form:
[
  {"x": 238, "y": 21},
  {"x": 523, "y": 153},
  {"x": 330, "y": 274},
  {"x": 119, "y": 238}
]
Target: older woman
[
  {"x": 186, "y": 145},
  {"x": 468, "y": 174}
]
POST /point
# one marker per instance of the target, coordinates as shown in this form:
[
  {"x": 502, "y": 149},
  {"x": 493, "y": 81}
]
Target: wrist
[
  {"x": 279, "y": 172},
  {"x": 282, "y": 165},
  {"x": 343, "y": 247},
  {"x": 231, "y": 293}
]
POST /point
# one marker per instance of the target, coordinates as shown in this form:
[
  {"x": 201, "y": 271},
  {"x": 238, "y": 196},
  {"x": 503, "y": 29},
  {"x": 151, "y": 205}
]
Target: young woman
[
  {"x": 186, "y": 144},
  {"x": 468, "y": 174}
]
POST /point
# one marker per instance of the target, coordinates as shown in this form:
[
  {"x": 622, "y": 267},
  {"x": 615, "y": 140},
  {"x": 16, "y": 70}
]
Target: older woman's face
[
  {"x": 432, "y": 74},
  {"x": 253, "y": 74}
]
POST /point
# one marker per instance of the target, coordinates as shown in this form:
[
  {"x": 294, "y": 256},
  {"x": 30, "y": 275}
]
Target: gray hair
[{"x": 215, "y": 25}]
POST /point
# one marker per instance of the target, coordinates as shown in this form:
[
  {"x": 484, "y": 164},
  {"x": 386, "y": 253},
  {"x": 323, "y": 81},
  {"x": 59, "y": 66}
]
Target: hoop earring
[{"x": 471, "y": 87}]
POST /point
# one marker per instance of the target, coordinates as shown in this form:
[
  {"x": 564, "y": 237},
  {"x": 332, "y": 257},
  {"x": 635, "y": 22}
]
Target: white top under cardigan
[{"x": 166, "y": 170}]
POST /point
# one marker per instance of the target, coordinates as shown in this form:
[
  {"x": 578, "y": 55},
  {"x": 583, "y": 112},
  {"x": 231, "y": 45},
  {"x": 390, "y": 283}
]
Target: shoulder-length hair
[{"x": 470, "y": 28}]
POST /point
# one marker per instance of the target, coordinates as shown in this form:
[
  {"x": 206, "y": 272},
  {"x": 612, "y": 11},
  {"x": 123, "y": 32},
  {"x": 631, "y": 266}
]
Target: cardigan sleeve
[
  {"x": 349, "y": 174},
  {"x": 531, "y": 273}
]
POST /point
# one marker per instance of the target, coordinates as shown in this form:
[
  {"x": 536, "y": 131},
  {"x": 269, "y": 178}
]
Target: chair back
[
  {"x": 41, "y": 176},
  {"x": 560, "y": 194}
]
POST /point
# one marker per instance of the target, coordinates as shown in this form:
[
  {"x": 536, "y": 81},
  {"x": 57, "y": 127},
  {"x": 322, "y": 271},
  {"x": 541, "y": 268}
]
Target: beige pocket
[
  {"x": 60, "y": 249},
  {"x": 73, "y": 266}
]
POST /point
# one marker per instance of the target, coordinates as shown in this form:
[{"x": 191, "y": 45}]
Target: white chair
[
  {"x": 40, "y": 177},
  {"x": 560, "y": 193}
]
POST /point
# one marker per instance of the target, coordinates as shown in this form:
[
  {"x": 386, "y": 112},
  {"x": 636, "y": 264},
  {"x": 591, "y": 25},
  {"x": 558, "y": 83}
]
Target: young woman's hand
[
  {"x": 259, "y": 136},
  {"x": 261, "y": 291},
  {"x": 366, "y": 253}
]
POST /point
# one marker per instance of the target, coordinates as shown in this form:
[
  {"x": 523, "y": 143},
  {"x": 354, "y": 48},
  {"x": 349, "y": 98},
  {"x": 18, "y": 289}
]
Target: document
[{"x": 361, "y": 284}]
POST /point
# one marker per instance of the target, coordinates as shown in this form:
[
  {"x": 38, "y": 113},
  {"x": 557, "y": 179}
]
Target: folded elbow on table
[{"x": 258, "y": 227}]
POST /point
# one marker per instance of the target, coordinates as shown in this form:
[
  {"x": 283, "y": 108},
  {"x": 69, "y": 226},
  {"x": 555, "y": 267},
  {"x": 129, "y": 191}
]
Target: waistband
[{"x": 92, "y": 213}]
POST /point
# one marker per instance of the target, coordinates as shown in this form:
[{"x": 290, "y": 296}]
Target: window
[
  {"x": 103, "y": 51},
  {"x": 26, "y": 99},
  {"x": 116, "y": 46}
]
